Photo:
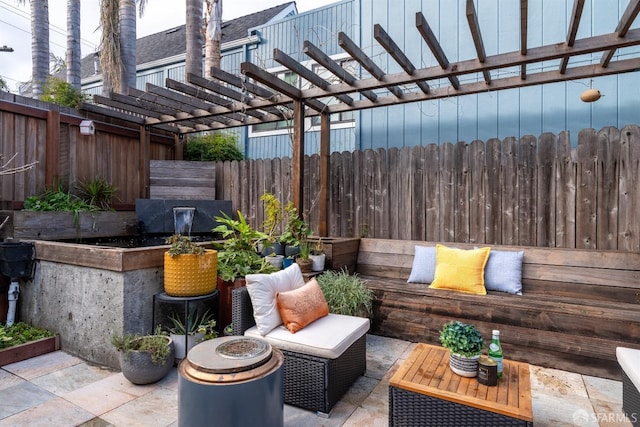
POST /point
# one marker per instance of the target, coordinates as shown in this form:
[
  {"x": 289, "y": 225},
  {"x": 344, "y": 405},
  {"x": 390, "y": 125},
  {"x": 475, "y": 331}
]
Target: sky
[{"x": 15, "y": 27}]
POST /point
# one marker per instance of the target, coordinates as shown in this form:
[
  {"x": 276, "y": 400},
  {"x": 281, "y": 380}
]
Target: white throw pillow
[
  {"x": 503, "y": 272},
  {"x": 424, "y": 265},
  {"x": 262, "y": 290}
]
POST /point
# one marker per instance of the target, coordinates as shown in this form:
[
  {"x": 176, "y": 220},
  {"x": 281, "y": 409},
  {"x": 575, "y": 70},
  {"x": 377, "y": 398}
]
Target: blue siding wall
[{"x": 532, "y": 110}]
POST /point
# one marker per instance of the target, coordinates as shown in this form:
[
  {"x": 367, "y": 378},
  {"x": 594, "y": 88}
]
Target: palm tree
[
  {"x": 39, "y": 44},
  {"x": 213, "y": 39},
  {"x": 194, "y": 37},
  {"x": 73, "y": 43},
  {"x": 118, "y": 43}
]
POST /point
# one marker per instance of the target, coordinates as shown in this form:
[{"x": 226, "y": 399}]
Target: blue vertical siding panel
[
  {"x": 280, "y": 145},
  {"x": 370, "y": 47},
  {"x": 487, "y": 124}
]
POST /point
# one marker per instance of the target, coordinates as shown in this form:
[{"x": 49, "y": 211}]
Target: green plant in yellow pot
[{"x": 189, "y": 269}]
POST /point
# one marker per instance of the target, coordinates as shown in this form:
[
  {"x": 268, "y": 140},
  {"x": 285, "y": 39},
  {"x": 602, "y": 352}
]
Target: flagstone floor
[{"x": 58, "y": 389}]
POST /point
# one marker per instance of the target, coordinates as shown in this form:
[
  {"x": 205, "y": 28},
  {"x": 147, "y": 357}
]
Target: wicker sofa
[
  {"x": 311, "y": 381},
  {"x": 629, "y": 360}
]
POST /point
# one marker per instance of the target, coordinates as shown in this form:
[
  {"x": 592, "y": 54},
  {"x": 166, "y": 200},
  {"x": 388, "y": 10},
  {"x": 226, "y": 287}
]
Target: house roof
[{"x": 171, "y": 42}]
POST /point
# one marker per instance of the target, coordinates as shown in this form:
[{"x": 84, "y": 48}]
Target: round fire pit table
[{"x": 231, "y": 381}]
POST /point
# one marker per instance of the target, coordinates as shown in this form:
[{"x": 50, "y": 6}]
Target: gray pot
[
  {"x": 137, "y": 366},
  {"x": 464, "y": 366}
]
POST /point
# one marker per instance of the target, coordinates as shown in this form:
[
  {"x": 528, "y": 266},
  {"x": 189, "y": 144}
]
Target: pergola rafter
[{"x": 262, "y": 97}]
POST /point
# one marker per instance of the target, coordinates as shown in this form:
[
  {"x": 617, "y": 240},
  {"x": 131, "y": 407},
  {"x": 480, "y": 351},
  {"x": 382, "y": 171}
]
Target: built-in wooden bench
[{"x": 577, "y": 305}]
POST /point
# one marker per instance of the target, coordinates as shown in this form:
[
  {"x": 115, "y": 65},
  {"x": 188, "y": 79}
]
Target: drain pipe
[{"x": 14, "y": 292}]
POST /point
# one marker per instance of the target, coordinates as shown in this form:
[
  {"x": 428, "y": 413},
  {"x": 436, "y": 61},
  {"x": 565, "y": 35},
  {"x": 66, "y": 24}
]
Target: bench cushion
[
  {"x": 327, "y": 337},
  {"x": 460, "y": 269},
  {"x": 629, "y": 361}
]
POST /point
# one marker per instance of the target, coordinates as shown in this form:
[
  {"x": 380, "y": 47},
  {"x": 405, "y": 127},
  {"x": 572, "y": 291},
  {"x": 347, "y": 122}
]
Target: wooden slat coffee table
[{"x": 424, "y": 391}]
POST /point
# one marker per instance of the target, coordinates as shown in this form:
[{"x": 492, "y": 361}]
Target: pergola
[{"x": 258, "y": 96}]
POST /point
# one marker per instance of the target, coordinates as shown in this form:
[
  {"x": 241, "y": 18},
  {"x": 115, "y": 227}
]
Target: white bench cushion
[
  {"x": 327, "y": 337},
  {"x": 629, "y": 361}
]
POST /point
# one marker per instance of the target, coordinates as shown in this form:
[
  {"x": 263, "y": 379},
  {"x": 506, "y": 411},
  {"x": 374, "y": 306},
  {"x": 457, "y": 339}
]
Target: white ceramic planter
[
  {"x": 464, "y": 366},
  {"x": 318, "y": 261}
]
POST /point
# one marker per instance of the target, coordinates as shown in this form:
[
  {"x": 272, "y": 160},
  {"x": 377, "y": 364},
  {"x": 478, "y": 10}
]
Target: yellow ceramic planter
[{"x": 189, "y": 275}]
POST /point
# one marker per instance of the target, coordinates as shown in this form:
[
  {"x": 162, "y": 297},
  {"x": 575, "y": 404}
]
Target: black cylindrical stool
[{"x": 231, "y": 381}]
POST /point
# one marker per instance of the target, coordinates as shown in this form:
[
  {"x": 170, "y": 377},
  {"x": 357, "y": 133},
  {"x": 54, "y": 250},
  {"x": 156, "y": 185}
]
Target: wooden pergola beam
[
  {"x": 629, "y": 15},
  {"x": 332, "y": 66},
  {"x": 297, "y": 157},
  {"x": 266, "y": 78},
  {"x": 299, "y": 69},
  {"x": 217, "y": 88},
  {"x": 503, "y": 60},
  {"x": 359, "y": 56},
  {"x": 524, "y": 21},
  {"x": 474, "y": 27},
  {"x": 240, "y": 83},
  {"x": 396, "y": 53},
  {"x": 574, "y": 73},
  {"x": 225, "y": 105},
  {"x": 427, "y": 34},
  {"x": 576, "y": 14}
]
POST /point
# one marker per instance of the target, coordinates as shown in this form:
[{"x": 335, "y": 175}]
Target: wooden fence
[
  {"x": 528, "y": 191},
  {"x": 36, "y": 131}
]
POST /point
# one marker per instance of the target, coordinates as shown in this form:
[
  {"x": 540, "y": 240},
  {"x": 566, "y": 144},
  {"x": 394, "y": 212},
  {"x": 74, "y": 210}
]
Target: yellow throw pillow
[
  {"x": 302, "y": 306},
  {"x": 460, "y": 270}
]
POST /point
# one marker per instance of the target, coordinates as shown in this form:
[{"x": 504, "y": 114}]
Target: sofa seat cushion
[
  {"x": 327, "y": 337},
  {"x": 629, "y": 361}
]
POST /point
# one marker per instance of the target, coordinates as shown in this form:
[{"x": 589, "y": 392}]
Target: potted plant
[
  {"x": 465, "y": 344},
  {"x": 297, "y": 234},
  {"x": 144, "y": 359},
  {"x": 317, "y": 255},
  {"x": 189, "y": 269},
  {"x": 237, "y": 256},
  {"x": 274, "y": 216},
  {"x": 346, "y": 293},
  {"x": 198, "y": 328}
]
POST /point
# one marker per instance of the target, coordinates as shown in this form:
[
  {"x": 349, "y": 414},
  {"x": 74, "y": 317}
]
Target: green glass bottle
[{"x": 495, "y": 350}]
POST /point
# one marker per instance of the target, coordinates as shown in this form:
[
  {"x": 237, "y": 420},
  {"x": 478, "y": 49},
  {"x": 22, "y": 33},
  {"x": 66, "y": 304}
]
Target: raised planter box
[
  {"x": 341, "y": 252},
  {"x": 30, "y": 225},
  {"x": 28, "y": 350}
]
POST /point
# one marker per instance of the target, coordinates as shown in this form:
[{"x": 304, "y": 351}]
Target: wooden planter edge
[{"x": 28, "y": 350}]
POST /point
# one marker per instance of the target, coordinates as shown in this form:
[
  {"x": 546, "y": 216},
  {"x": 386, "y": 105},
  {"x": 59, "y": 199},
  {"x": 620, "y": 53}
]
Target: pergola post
[
  {"x": 325, "y": 144},
  {"x": 145, "y": 158},
  {"x": 297, "y": 160}
]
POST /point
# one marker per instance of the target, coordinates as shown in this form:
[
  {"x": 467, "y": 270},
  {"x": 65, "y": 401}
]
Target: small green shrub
[
  {"x": 346, "y": 293},
  {"x": 183, "y": 245},
  {"x": 97, "y": 192},
  {"x": 59, "y": 92},
  {"x": 58, "y": 199},
  {"x": 214, "y": 147}
]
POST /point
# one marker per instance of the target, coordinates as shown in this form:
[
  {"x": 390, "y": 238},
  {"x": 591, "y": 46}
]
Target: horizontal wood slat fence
[{"x": 528, "y": 191}]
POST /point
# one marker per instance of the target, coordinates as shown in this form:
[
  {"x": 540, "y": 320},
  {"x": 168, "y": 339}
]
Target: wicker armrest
[{"x": 241, "y": 311}]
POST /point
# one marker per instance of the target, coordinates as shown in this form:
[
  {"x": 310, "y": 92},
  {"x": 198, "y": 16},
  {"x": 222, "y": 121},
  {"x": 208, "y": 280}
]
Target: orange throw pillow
[{"x": 302, "y": 306}]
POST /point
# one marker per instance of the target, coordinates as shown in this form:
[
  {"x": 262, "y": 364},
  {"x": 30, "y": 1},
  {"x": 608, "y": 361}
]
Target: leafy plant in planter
[
  {"x": 317, "y": 255},
  {"x": 465, "y": 344},
  {"x": 144, "y": 359},
  {"x": 346, "y": 293},
  {"x": 238, "y": 254},
  {"x": 274, "y": 216},
  {"x": 189, "y": 269},
  {"x": 198, "y": 328}
]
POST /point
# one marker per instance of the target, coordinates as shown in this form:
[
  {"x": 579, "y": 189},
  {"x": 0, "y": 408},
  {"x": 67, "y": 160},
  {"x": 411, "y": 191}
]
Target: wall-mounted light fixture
[
  {"x": 590, "y": 95},
  {"x": 87, "y": 127}
]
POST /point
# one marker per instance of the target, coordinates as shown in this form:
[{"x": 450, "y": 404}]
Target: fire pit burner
[{"x": 243, "y": 348}]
